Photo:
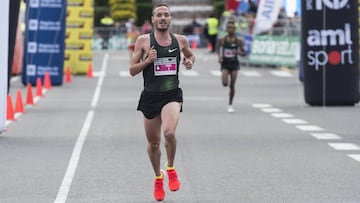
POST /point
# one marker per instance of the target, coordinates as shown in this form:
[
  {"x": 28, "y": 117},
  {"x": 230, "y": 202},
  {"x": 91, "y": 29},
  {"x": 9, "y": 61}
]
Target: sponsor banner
[
  {"x": 275, "y": 50},
  {"x": 44, "y": 40},
  {"x": 4, "y": 37},
  {"x": 79, "y": 35},
  {"x": 330, "y": 52},
  {"x": 266, "y": 15}
]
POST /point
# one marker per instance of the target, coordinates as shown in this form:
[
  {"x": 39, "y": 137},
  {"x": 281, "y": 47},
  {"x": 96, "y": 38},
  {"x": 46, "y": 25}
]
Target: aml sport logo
[{"x": 331, "y": 4}]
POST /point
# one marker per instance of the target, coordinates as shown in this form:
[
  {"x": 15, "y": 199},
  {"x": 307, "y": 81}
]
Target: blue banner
[{"x": 44, "y": 40}]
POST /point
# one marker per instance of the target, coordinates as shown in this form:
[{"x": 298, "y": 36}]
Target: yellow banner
[{"x": 79, "y": 34}]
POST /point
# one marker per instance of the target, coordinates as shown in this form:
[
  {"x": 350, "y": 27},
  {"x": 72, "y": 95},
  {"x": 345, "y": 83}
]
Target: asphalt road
[{"x": 84, "y": 141}]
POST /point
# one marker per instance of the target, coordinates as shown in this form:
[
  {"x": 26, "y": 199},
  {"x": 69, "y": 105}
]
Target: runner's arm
[
  {"x": 136, "y": 62},
  {"x": 189, "y": 58}
]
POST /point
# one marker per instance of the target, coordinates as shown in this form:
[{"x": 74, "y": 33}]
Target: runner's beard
[{"x": 162, "y": 28}]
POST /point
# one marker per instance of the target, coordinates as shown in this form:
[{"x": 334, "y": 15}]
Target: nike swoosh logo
[{"x": 172, "y": 50}]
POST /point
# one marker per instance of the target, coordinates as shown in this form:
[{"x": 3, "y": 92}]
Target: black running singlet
[
  {"x": 230, "y": 58},
  {"x": 162, "y": 75}
]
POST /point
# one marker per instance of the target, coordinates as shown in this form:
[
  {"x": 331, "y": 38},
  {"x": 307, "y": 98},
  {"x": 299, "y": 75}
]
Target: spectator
[
  {"x": 131, "y": 37},
  {"x": 107, "y": 25},
  {"x": 146, "y": 27},
  {"x": 211, "y": 27}
]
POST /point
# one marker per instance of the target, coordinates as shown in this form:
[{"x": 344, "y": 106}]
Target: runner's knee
[
  {"x": 154, "y": 146},
  {"x": 169, "y": 134}
]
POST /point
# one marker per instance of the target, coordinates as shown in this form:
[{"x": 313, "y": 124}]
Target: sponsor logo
[
  {"x": 85, "y": 57},
  {"x": 85, "y": 35},
  {"x": 340, "y": 39},
  {"x": 75, "y": 24},
  {"x": 331, "y": 4},
  {"x": 172, "y": 50},
  {"x": 75, "y": 3},
  {"x": 75, "y": 46},
  {"x": 86, "y": 14}
]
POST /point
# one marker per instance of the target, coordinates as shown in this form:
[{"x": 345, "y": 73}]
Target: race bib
[
  {"x": 229, "y": 53},
  {"x": 165, "y": 66}
]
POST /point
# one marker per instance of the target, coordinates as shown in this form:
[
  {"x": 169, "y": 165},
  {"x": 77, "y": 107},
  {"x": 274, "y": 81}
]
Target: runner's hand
[
  {"x": 187, "y": 63},
  {"x": 152, "y": 55}
]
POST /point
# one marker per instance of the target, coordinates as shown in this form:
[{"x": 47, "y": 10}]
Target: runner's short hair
[{"x": 159, "y": 5}]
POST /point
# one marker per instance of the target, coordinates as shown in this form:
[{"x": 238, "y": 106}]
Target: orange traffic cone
[
  {"x": 209, "y": 46},
  {"x": 19, "y": 106},
  {"x": 90, "y": 71},
  {"x": 193, "y": 44},
  {"x": 39, "y": 92},
  {"x": 29, "y": 96},
  {"x": 47, "y": 81},
  {"x": 68, "y": 77},
  {"x": 10, "y": 109}
]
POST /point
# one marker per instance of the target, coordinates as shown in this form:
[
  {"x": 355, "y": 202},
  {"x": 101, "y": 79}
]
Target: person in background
[
  {"x": 211, "y": 27},
  {"x": 131, "y": 37},
  {"x": 157, "y": 55},
  {"x": 146, "y": 27},
  {"x": 107, "y": 27},
  {"x": 228, "y": 48}
]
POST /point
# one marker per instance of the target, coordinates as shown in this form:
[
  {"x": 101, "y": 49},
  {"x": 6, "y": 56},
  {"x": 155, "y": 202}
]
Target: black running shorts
[
  {"x": 230, "y": 65},
  {"x": 151, "y": 103}
]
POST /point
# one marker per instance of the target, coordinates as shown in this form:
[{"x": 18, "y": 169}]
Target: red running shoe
[
  {"x": 159, "y": 192},
  {"x": 174, "y": 183}
]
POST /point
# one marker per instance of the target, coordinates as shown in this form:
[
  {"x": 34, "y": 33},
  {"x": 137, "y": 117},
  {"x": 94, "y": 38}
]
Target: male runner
[
  {"x": 228, "y": 48},
  {"x": 157, "y": 56}
]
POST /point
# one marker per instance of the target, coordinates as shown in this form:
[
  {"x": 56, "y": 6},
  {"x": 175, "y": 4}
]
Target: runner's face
[
  {"x": 161, "y": 18},
  {"x": 230, "y": 27}
]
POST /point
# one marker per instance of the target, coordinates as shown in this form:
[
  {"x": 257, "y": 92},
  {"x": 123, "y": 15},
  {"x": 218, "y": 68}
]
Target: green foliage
[
  {"x": 144, "y": 12},
  {"x": 101, "y": 3},
  {"x": 99, "y": 12},
  {"x": 112, "y": 2},
  {"x": 219, "y": 7},
  {"x": 122, "y": 9},
  {"x": 121, "y": 15}
]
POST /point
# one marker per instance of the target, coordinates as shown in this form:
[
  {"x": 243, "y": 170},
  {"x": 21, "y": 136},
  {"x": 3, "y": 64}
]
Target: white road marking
[
  {"x": 281, "y": 73},
  {"x": 309, "y": 128},
  {"x": 97, "y": 74},
  {"x": 64, "y": 189},
  {"x": 288, "y": 118},
  {"x": 75, "y": 157},
  {"x": 261, "y": 105},
  {"x": 100, "y": 81},
  {"x": 14, "y": 79},
  {"x": 282, "y": 115},
  {"x": 344, "y": 146},
  {"x": 271, "y": 110},
  {"x": 250, "y": 73},
  {"x": 356, "y": 157},
  {"x": 294, "y": 121},
  {"x": 216, "y": 73},
  {"x": 326, "y": 136}
]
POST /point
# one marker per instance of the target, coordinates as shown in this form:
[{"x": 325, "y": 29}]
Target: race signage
[
  {"x": 44, "y": 40},
  {"x": 275, "y": 50},
  {"x": 330, "y": 52},
  {"x": 79, "y": 35}
]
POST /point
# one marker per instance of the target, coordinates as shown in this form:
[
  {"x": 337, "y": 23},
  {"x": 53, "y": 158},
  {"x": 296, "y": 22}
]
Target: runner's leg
[
  {"x": 233, "y": 76},
  {"x": 170, "y": 114},
  {"x": 153, "y": 135},
  {"x": 224, "y": 77}
]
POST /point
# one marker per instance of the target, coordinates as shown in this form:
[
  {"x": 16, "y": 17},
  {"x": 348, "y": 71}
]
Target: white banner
[
  {"x": 4, "y": 38},
  {"x": 266, "y": 15}
]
